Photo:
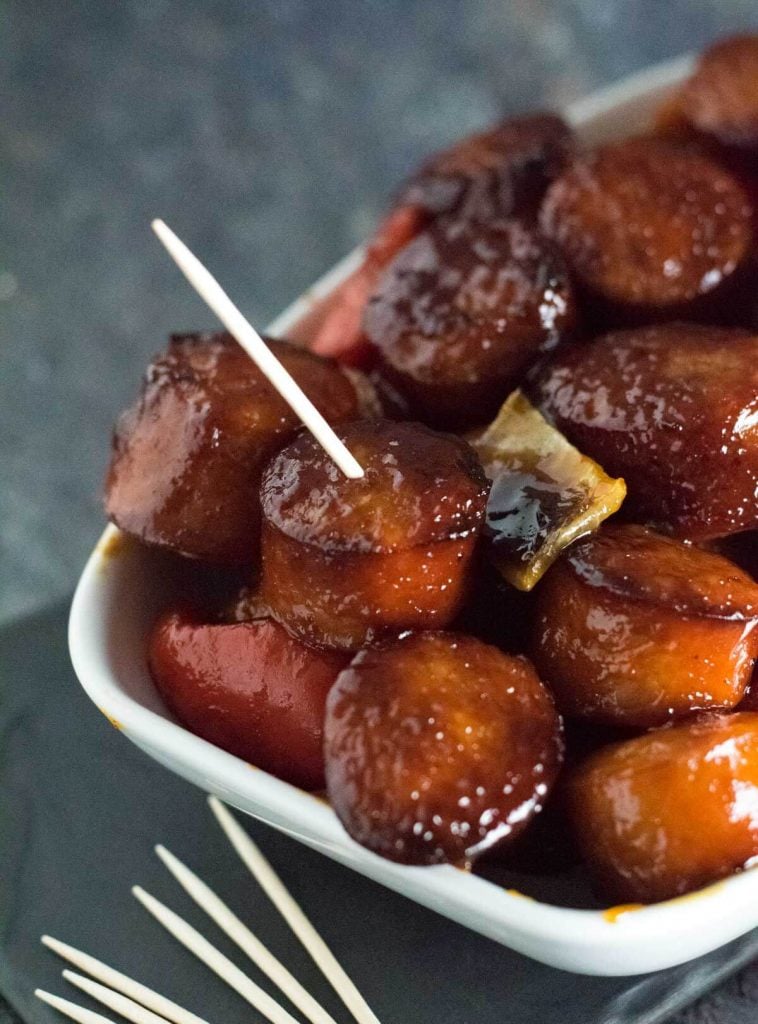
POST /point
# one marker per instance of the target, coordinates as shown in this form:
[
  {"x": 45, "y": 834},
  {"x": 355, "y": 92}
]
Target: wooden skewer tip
[
  {"x": 135, "y": 990},
  {"x": 116, "y": 1001},
  {"x": 213, "y": 958},
  {"x": 247, "y": 941},
  {"x": 248, "y": 338},
  {"x": 293, "y": 914},
  {"x": 72, "y": 1010}
]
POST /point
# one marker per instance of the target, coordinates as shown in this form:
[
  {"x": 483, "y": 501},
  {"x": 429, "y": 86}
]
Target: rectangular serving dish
[{"x": 123, "y": 588}]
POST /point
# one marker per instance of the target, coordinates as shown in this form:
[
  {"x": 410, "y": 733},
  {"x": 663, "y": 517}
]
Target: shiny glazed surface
[
  {"x": 348, "y": 561},
  {"x": 650, "y": 230},
  {"x": 188, "y": 455},
  {"x": 638, "y": 563},
  {"x": 248, "y": 687},
  {"x": 668, "y": 812},
  {"x": 545, "y": 492},
  {"x": 501, "y": 172},
  {"x": 463, "y": 311},
  {"x": 345, "y": 599},
  {"x": 673, "y": 409},
  {"x": 429, "y": 879},
  {"x": 339, "y": 332},
  {"x": 438, "y": 747},
  {"x": 419, "y": 487},
  {"x": 635, "y": 629},
  {"x": 395, "y": 555}
]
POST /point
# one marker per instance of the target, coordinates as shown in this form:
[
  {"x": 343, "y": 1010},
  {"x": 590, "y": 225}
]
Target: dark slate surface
[{"x": 269, "y": 134}]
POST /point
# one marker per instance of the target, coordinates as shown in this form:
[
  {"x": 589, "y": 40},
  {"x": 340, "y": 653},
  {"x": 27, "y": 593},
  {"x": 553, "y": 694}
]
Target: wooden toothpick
[{"x": 248, "y": 338}]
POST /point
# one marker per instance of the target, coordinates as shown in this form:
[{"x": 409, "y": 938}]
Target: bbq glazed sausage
[
  {"x": 348, "y": 561},
  {"x": 635, "y": 629},
  {"x": 188, "y": 455},
  {"x": 674, "y": 410},
  {"x": 501, "y": 172},
  {"x": 438, "y": 747},
  {"x": 461, "y": 314},
  {"x": 651, "y": 231},
  {"x": 334, "y": 326},
  {"x": 248, "y": 687},
  {"x": 670, "y": 811},
  {"x": 721, "y": 97}
]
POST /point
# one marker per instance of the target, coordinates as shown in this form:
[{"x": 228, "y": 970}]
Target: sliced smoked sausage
[
  {"x": 248, "y": 687},
  {"x": 188, "y": 455},
  {"x": 439, "y": 747},
  {"x": 348, "y": 561},
  {"x": 652, "y": 231},
  {"x": 461, "y": 314},
  {"x": 721, "y": 97},
  {"x": 334, "y": 326},
  {"x": 668, "y": 812},
  {"x": 636, "y": 629},
  {"x": 501, "y": 172},
  {"x": 674, "y": 410}
]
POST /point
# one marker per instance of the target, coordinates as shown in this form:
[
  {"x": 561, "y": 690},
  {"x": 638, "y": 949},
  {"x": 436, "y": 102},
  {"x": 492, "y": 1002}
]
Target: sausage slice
[
  {"x": 501, "y": 172},
  {"x": 334, "y": 326},
  {"x": 721, "y": 97},
  {"x": 439, "y": 747},
  {"x": 668, "y": 812},
  {"x": 636, "y": 629},
  {"x": 348, "y": 561},
  {"x": 248, "y": 687},
  {"x": 652, "y": 231},
  {"x": 461, "y": 314},
  {"x": 188, "y": 455},
  {"x": 672, "y": 409}
]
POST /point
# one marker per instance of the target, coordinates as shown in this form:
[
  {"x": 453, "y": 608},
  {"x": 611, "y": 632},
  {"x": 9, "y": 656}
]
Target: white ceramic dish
[{"x": 122, "y": 588}]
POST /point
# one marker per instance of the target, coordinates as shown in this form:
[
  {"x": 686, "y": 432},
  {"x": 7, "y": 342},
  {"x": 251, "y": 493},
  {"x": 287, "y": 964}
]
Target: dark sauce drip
[{"x": 525, "y": 508}]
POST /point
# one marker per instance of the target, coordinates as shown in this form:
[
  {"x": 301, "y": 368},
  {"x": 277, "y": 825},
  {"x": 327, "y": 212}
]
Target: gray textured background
[{"x": 268, "y": 134}]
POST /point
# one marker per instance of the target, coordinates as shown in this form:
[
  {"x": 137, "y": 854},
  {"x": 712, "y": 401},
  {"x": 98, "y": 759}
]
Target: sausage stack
[{"x": 358, "y": 641}]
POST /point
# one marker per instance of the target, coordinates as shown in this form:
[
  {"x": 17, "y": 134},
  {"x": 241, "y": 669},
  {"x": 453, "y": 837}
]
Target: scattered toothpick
[
  {"x": 192, "y": 940},
  {"x": 114, "y": 1000},
  {"x": 141, "y": 1005},
  {"x": 274, "y": 888},
  {"x": 72, "y": 1010},
  {"x": 245, "y": 939},
  {"x": 121, "y": 983}
]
